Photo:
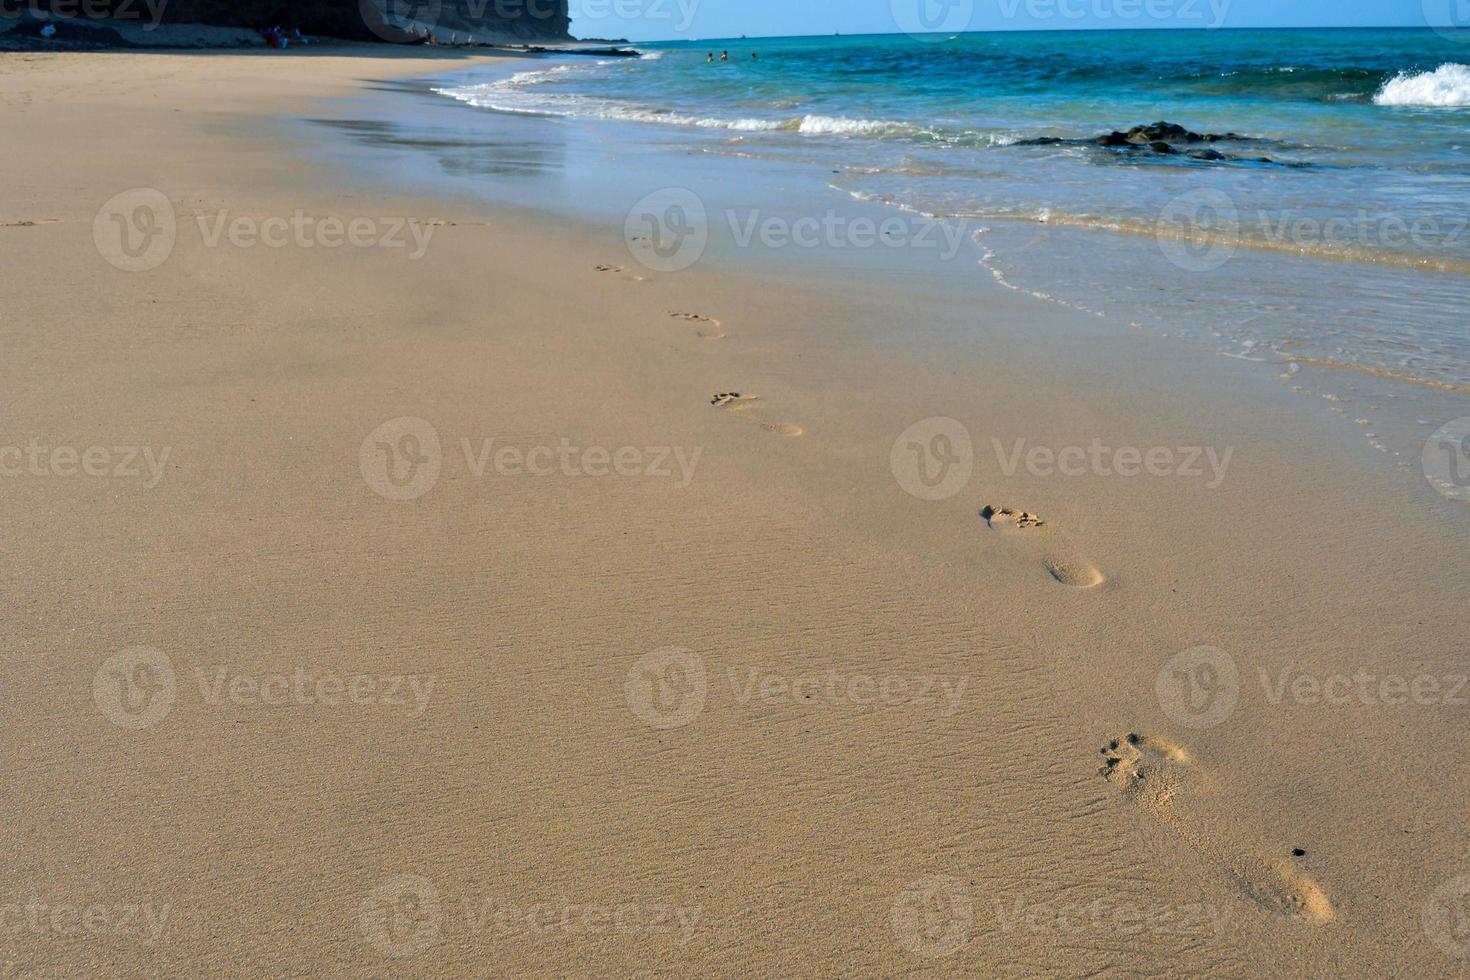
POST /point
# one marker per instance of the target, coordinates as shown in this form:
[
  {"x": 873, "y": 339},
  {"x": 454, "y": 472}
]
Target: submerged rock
[
  {"x": 1163, "y": 132},
  {"x": 1163, "y": 138}
]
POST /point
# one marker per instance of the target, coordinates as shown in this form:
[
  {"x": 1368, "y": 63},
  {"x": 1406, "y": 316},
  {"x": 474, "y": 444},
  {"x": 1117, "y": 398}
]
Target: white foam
[
  {"x": 519, "y": 94},
  {"x": 839, "y": 126},
  {"x": 1448, "y": 85}
]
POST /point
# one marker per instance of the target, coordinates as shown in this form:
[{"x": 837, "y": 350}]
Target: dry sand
[{"x": 769, "y": 713}]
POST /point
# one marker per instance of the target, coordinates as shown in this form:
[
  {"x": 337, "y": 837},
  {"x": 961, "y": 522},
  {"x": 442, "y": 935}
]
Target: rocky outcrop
[
  {"x": 1163, "y": 138},
  {"x": 1162, "y": 132},
  {"x": 513, "y": 21}
]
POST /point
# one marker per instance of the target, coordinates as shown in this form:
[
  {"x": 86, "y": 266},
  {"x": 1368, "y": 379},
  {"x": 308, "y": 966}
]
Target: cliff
[{"x": 366, "y": 20}]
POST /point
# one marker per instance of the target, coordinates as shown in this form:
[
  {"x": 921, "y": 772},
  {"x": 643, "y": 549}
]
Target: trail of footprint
[
  {"x": 709, "y": 328},
  {"x": 619, "y": 271},
  {"x": 1057, "y": 556},
  {"x": 1164, "y": 781},
  {"x": 734, "y": 401}
]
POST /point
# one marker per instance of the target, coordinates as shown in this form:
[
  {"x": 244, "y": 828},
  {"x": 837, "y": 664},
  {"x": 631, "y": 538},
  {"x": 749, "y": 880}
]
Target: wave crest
[{"x": 1446, "y": 86}]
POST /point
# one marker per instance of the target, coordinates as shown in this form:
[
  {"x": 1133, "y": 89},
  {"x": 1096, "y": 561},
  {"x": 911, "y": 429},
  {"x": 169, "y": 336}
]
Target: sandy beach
[{"x": 398, "y": 584}]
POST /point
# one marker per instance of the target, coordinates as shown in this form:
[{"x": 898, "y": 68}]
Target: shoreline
[
  {"x": 742, "y": 197},
  {"x": 796, "y": 828}
]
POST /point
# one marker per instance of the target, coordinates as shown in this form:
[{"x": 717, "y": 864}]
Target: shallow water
[{"x": 1338, "y": 231}]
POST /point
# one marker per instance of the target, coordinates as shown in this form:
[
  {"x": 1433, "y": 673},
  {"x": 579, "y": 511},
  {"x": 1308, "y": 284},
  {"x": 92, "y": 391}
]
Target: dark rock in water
[
  {"x": 1164, "y": 138},
  {"x": 593, "y": 52},
  {"x": 1161, "y": 132}
]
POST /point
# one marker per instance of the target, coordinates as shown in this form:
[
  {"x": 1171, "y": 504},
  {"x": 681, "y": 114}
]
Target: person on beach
[
  {"x": 724, "y": 56},
  {"x": 711, "y": 58}
]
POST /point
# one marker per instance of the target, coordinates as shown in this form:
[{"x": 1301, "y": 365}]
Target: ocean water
[{"x": 1335, "y": 231}]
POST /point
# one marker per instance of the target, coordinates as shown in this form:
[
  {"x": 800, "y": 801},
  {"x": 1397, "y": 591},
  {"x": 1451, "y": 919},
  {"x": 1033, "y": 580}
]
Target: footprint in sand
[
  {"x": 1166, "y": 783},
  {"x": 1056, "y": 554},
  {"x": 709, "y": 327},
  {"x": 619, "y": 271},
  {"x": 734, "y": 401}
]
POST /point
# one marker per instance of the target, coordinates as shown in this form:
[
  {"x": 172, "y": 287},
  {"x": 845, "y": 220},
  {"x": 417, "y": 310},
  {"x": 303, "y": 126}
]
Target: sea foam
[{"x": 1447, "y": 85}]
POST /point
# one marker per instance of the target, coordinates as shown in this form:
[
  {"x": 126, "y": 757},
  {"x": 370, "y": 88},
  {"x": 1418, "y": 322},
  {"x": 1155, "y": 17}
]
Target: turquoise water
[{"x": 1337, "y": 230}]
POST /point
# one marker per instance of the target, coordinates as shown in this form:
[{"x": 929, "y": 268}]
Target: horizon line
[{"x": 1040, "y": 30}]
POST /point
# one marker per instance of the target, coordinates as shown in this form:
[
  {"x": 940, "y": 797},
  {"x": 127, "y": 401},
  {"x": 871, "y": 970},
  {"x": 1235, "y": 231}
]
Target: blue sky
[{"x": 643, "y": 20}]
